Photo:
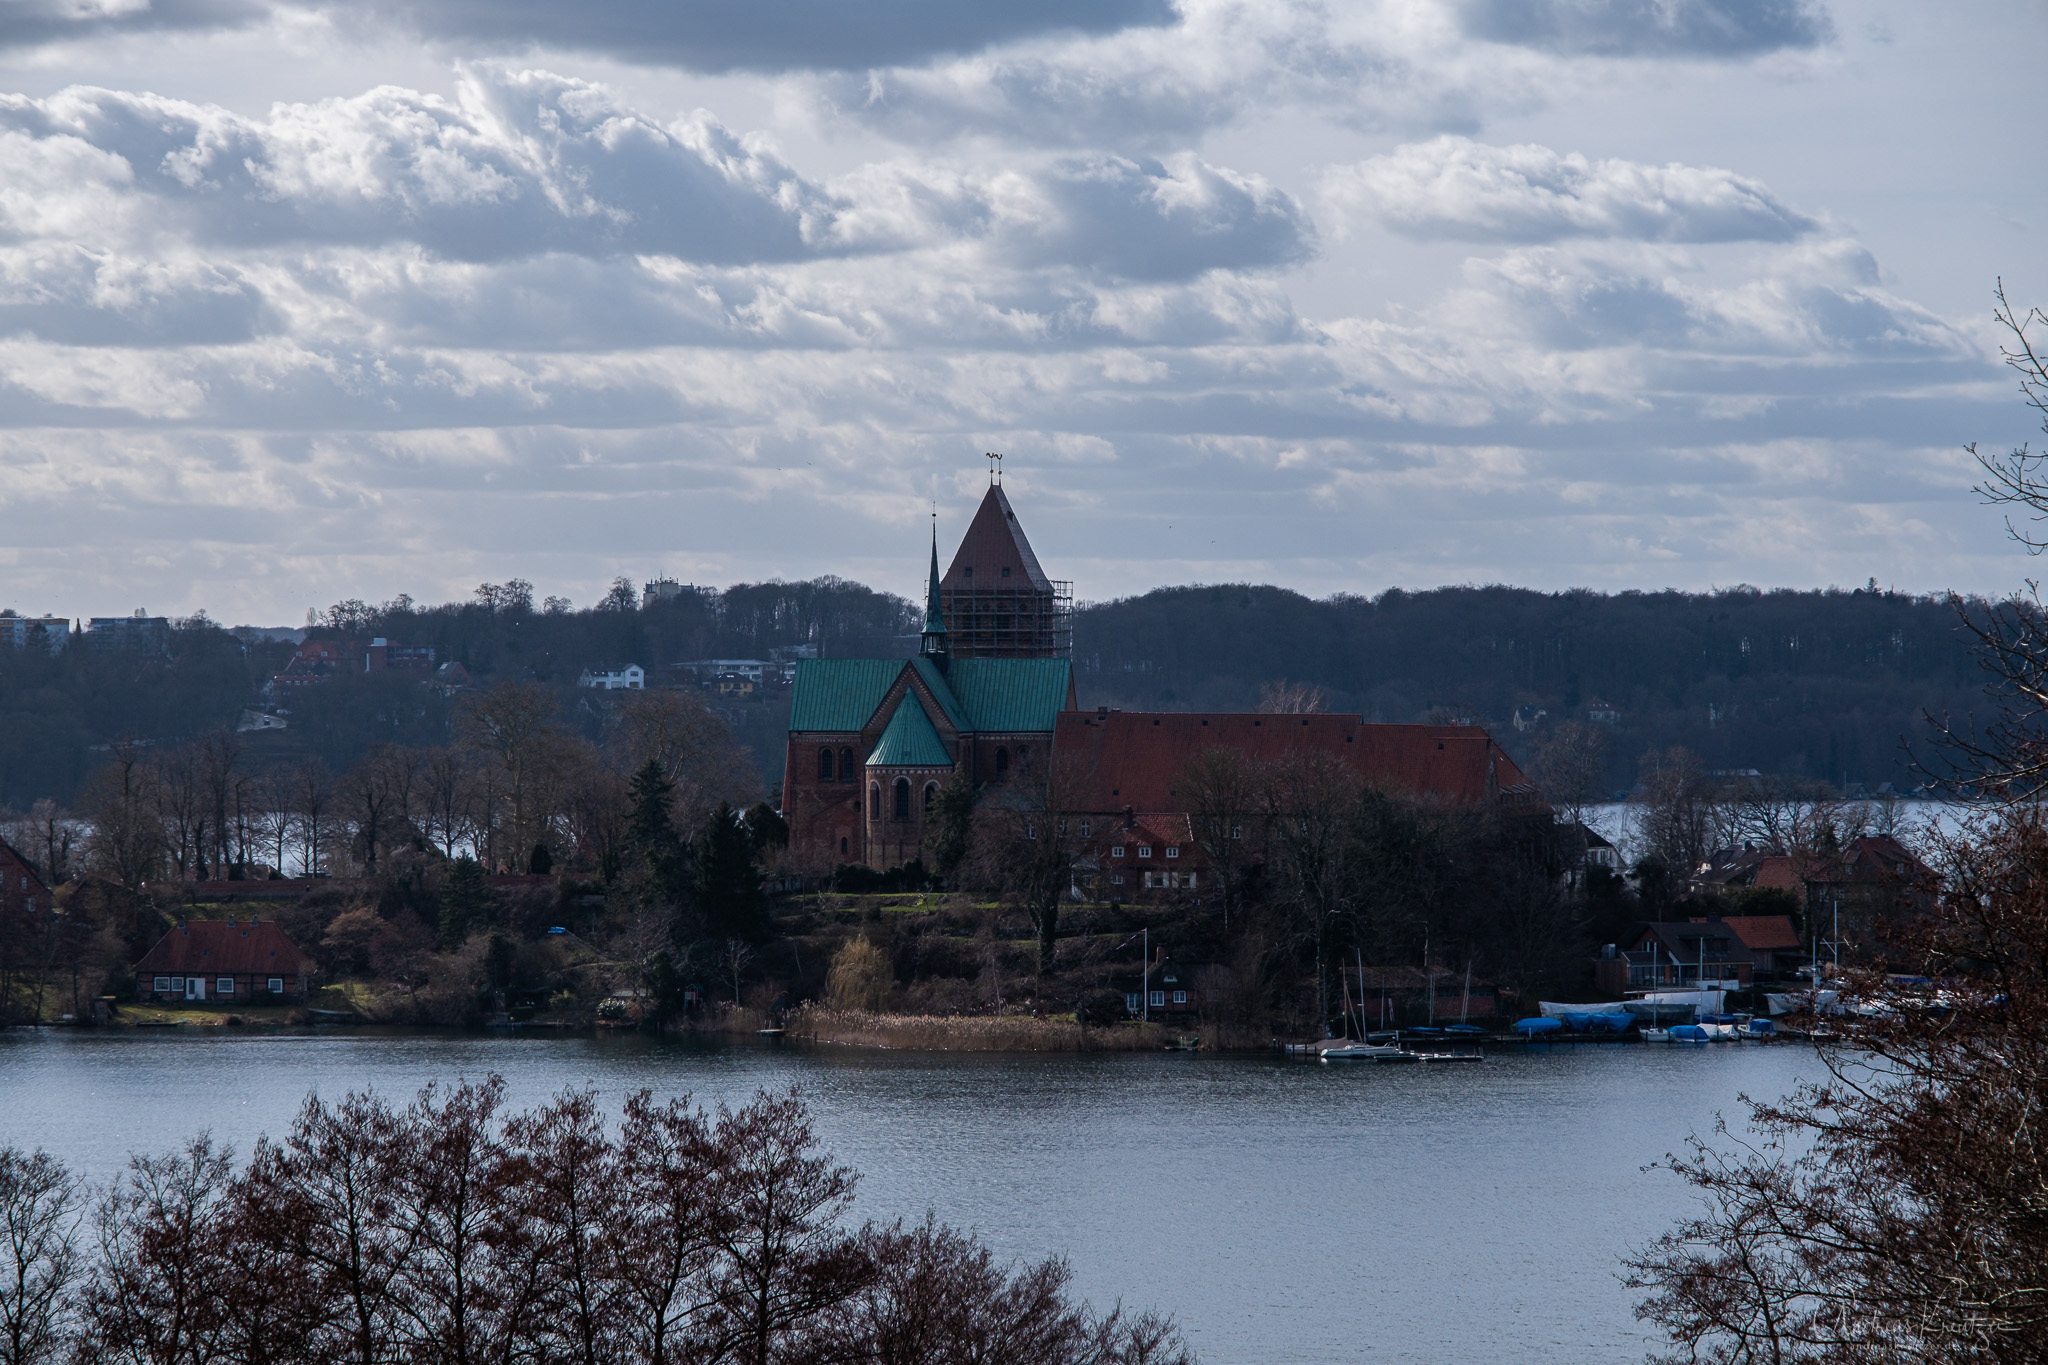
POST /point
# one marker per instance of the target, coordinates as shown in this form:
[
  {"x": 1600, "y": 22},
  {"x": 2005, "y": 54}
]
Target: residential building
[
  {"x": 238, "y": 962},
  {"x": 137, "y": 631},
  {"x": 50, "y": 633},
  {"x": 21, "y": 888},
  {"x": 1729, "y": 953},
  {"x": 1137, "y": 856},
  {"x": 613, "y": 677}
]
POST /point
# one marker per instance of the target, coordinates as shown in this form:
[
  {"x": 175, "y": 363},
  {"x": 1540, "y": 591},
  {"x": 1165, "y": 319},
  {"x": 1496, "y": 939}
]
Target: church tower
[{"x": 995, "y": 600}]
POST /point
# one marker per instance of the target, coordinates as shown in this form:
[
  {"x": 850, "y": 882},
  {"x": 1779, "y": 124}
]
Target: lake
[{"x": 1281, "y": 1210}]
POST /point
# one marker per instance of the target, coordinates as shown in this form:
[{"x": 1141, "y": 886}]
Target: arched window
[
  {"x": 1023, "y": 752},
  {"x": 1002, "y": 763},
  {"x": 842, "y": 845},
  {"x": 846, "y": 772},
  {"x": 874, "y": 801},
  {"x": 902, "y": 798},
  {"x": 931, "y": 794},
  {"x": 824, "y": 765}
]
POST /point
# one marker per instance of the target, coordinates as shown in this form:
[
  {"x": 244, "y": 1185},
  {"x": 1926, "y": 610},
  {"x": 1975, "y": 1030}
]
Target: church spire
[{"x": 934, "y": 617}]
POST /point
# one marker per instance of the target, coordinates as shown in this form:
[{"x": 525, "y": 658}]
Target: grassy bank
[{"x": 970, "y": 1033}]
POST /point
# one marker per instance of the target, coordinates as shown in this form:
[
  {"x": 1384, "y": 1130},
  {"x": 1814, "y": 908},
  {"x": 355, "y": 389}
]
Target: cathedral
[
  {"x": 991, "y": 695},
  {"x": 871, "y": 741}
]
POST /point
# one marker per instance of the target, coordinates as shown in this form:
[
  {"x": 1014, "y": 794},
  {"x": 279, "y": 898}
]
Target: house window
[
  {"x": 1237, "y": 831},
  {"x": 1002, "y": 763},
  {"x": 277, "y": 985},
  {"x": 842, "y": 845},
  {"x": 824, "y": 765},
  {"x": 162, "y": 984},
  {"x": 1131, "y": 1001},
  {"x": 224, "y": 985},
  {"x": 1063, "y": 829},
  {"x": 1116, "y": 879},
  {"x": 1030, "y": 829},
  {"x": 1180, "y": 997},
  {"x": 1116, "y": 851},
  {"x": 1158, "y": 999},
  {"x": 846, "y": 772},
  {"x": 1188, "y": 880},
  {"x": 1084, "y": 829},
  {"x": 874, "y": 801},
  {"x": 1144, "y": 850},
  {"x": 1173, "y": 850},
  {"x": 902, "y": 802}
]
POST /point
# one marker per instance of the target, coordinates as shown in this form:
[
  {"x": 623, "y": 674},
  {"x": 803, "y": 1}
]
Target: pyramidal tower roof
[{"x": 994, "y": 542}]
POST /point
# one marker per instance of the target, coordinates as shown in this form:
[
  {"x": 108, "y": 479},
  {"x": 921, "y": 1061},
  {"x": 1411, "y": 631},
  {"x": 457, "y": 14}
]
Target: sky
[{"x": 304, "y": 301}]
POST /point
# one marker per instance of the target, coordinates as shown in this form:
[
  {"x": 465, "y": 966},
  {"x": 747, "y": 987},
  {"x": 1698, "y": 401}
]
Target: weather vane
[{"x": 995, "y": 467}]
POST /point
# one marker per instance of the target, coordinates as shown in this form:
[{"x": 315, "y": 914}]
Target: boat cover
[{"x": 1534, "y": 1026}]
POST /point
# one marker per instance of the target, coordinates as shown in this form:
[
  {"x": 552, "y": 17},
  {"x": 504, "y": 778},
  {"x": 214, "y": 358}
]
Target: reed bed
[{"x": 969, "y": 1033}]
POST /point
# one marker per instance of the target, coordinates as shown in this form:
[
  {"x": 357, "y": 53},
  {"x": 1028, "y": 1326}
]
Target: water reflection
[{"x": 1284, "y": 1211}]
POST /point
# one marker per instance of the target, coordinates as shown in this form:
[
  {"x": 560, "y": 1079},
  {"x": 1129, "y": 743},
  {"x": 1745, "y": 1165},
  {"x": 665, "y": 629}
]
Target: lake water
[{"x": 1281, "y": 1210}]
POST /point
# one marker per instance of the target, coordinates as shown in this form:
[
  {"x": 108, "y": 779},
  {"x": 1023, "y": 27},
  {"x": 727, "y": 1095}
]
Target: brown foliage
[{"x": 446, "y": 1232}]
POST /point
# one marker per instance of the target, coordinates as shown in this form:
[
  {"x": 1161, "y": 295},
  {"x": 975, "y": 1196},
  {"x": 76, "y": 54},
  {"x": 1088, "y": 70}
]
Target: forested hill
[{"x": 1815, "y": 684}]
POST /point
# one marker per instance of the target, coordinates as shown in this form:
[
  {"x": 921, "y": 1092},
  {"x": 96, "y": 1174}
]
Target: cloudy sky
[{"x": 301, "y": 301}]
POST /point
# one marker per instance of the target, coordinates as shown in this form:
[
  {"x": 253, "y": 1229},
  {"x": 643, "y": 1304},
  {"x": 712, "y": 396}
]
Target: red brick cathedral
[{"x": 991, "y": 695}]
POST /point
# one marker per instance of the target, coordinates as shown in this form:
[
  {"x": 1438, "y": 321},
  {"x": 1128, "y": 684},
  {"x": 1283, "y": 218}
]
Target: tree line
[{"x": 454, "y": 1232}]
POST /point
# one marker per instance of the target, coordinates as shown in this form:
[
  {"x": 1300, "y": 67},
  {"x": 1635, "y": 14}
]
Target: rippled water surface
[{"x": 1281, "y": 1210}]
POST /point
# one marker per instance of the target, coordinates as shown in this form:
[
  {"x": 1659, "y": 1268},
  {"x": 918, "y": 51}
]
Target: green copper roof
[
  {"x": 839, "y": 694},
  {"x": 934, "y": 619},
  {"x": 1010, "y": 694},
  {"x": 910, "y": 741},
  {"x": 928, "y": 669}
]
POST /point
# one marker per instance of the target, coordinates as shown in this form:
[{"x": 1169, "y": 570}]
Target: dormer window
[
  {"x": 1173, "y": 850},
  {"x": 1144, "y": 850},
  {"x": 1117, "y": 851}
]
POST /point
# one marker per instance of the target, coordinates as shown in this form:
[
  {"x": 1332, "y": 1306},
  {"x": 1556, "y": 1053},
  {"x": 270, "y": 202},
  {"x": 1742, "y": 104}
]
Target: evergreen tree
[
  {"x": 467, "y": 903},
  {"x": 952, "y": 825},
  {"x": 657, "y": 849},
  {"x": 729, "y": 893}
]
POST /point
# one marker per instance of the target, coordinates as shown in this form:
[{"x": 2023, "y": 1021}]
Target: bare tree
[
  {"x": 1679, "y": 809},
  {"x": 126, "y": 843},
  {"x": 376, "y": 797},
  {"x": 217, "y": 767},
  {"x": 1027, "y": 838},
  {"x": 1569, "y": 764},
  {"x": 1310, "y": 801},
  {"x": 39, "y": 1258},
  {"x": 1224, "y": 792},
  {"x": 446, "y": 799},
  {"x": 1285, "y": 698},
  {"x": 313, "y": 805},
  {"x": 512, "y": 731}
]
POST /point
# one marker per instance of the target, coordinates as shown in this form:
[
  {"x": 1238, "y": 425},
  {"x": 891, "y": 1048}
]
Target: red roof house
[{"x": 242, "y": 962}]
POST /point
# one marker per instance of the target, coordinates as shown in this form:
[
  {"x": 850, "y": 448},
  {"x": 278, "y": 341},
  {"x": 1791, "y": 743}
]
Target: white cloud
[{"x": 1454, "y": 188}]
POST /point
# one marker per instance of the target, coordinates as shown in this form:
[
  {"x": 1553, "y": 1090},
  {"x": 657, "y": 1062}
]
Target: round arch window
[
  {"x": 874, "y": 802},
  {"x": 1002, "y": 763},
  {"x": 902, "y": 798}
]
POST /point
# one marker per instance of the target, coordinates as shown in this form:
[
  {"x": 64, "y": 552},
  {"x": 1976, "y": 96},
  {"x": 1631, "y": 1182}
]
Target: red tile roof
[
  {"x": 994, "y": 542},
  {"x": 1136, "y": 758},
  {"x": 208, "y": 947},
  {"x": 1761, "y": 932},
  {"x": 1779, "y": 871}
]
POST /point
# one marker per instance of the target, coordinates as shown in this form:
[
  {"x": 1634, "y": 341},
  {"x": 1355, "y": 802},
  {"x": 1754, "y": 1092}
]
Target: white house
[{"x": 611, "y": 678}]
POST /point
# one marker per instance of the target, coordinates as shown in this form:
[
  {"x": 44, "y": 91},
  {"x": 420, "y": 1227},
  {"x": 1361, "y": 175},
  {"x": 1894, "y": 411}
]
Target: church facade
[{"x": 871, "y": 741}]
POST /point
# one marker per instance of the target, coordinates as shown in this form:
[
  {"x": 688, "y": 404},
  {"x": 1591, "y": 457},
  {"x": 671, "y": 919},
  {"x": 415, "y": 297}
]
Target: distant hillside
[{"x": 1819, "y": 684}]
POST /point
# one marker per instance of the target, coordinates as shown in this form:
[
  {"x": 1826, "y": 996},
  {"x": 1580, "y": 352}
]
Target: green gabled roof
[
  {"x": 910, "y": 741},
  {"x": 839, "y": 694},
  {"x": 1011, "y": 694},
  {"x": 936, "y": 681}
]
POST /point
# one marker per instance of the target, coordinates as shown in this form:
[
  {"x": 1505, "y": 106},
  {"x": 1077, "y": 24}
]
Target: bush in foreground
[{"x": 450, "y": 1232}]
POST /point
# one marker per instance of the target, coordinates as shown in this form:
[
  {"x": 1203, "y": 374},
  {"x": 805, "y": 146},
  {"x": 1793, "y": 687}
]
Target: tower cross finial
[{"x": 995, "y": 468}]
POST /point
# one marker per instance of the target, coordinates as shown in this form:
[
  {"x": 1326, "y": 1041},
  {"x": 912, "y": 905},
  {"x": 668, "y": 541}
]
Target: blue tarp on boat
[
  {"x": 1534, "y": 1026},
  {"x": 1688, "y": 1033}
]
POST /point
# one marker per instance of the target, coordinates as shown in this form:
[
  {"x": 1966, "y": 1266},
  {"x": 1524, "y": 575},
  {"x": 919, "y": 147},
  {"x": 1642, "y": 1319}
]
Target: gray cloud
[
  {"x": 1660, "y": 28},
  {"x": 700, "y": 35},
  {"x": 26, "y": 23},
  {"x": 1452, "y": 187},
  {"x": 758, "y": 35}
]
